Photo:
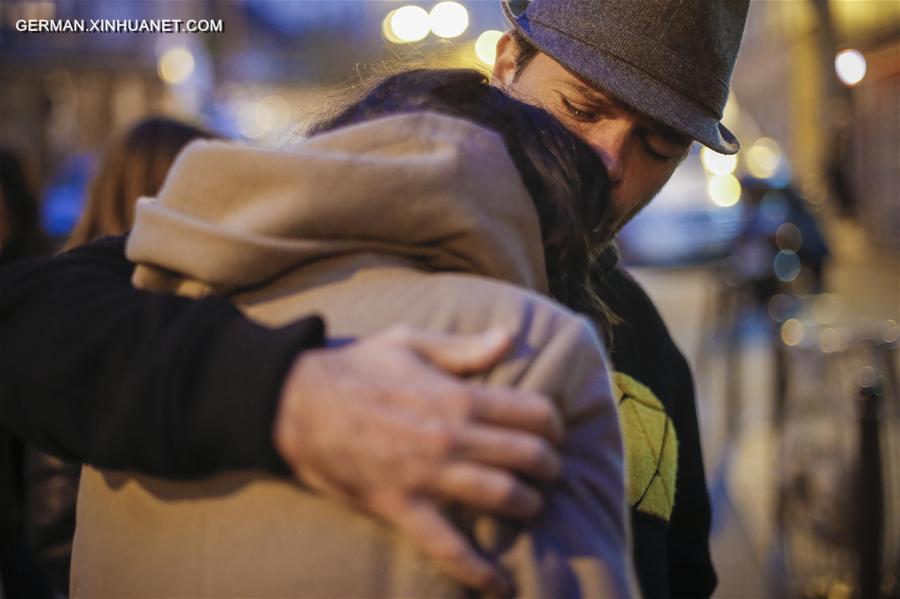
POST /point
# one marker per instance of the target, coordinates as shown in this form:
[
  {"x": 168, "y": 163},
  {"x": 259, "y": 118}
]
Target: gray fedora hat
[{"x": 669, "y": 59}]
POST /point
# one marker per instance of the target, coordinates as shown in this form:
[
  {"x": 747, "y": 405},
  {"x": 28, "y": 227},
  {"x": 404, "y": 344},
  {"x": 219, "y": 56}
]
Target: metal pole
[{"x": 871, "y": 498}]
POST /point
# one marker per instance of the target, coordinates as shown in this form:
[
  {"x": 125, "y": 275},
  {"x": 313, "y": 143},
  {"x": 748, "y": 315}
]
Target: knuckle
[
  {"x": 450, "y": 551},
  {"x": 547, "y": 415},
  {"x": 536, "y": 452},
  {"x": 506, "y": 490},
  {"x": 443, "y": 440},
  {"x": 462, "y": 402},
  {"x": 453, "y": 402},
  {"x": 544, "y": 409}
]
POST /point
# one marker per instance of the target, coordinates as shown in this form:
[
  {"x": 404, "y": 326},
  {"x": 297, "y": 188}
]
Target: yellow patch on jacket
[{"x": 651, "y": 447}]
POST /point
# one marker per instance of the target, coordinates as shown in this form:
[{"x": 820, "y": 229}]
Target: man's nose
[{"x": 612, "y": 145}]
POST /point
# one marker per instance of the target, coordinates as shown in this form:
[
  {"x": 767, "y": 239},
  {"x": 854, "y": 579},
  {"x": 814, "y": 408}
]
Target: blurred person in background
[
  {"x": 21, "y": 237},
  {"x": 20, "y": 229},
  {"x": 780, "y": 220},
  {"x": 133, "y": 166},
  {"x": 385, "y": 216}
]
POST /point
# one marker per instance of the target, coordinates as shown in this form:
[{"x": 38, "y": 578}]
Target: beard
[{"x": 624, "y": 210}]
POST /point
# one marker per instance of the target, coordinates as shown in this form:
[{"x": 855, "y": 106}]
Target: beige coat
[{"x": 418, "y": 219}]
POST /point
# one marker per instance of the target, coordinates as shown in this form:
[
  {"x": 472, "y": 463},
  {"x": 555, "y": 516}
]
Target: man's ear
[{"x": 505, "y": 61}]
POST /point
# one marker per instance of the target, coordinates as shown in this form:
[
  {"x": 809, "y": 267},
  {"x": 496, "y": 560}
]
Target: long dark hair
[
  {"x": 134, "y": 165},
  {"x": 567, "y": 181}
]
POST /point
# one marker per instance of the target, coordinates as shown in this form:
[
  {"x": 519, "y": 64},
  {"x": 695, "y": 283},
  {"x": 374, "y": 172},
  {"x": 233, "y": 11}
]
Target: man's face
[{"x": 639, "y": 153}]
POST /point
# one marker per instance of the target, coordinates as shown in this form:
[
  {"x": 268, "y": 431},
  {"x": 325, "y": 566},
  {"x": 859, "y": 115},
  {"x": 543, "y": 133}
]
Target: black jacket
[
  {"x": 94, "y": 371},
  {"x": 672, "y": 558}
]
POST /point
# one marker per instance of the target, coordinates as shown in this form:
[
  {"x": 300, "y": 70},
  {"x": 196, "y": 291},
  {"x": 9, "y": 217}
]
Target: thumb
[{"x": 459, "y": 353}]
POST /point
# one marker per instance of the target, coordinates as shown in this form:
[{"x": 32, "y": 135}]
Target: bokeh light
[
  {"x": 792, "y": 332},
  {"x": 730, "y": 270},
  {"x": 247, "y": 121},
  {"x": 826, "y": 308},
  {"x": 486, "y": 46},
  {"x": 175, "y": 65},
  {"x": 408, "y": 24},
  {"x": 271, "y": 113},
  {"x": 831, "y": 340},
  {"x": 731, "y": 116},
  {"x": 787, "y": 266},
  {"x": 867, "y": 377},
  {"x": 387, "y": 31},
  {"x": 448, "y": 19},
  {"x": 890, "y": 332},
  {"x": 850, "y": 66},
  {"x": 782, "y": 306},
  {"x": 788, "y": 237},
  {"x": 718, "y": 164},
  {"x": 763, "y": 158},
  {"x": 813, "y": 188},
  {"x": 724, "y": 190}
]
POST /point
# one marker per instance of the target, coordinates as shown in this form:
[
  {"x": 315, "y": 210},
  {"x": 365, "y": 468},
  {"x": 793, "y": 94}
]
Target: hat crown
[
  {"x": 686, "y": 46},
  {"x": 689, "y": 45}
]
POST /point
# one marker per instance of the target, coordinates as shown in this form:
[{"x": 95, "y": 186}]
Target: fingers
[
  {"x": 509, "y": 450},
  {"x": 455, "y": 353},
  {"x": 517, "y": 409},
  {"x": 465, "y": 354},
  {"x": 439, "y": 540},
  {"x": 487, "y": 488}
]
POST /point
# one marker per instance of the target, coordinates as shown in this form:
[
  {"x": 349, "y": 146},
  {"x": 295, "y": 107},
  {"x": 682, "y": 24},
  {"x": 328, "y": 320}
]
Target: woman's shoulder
[
  {"x": 541, "y": 323},
  {"x": 555, "y": 351},
  {"x": 493, "y": 299}
]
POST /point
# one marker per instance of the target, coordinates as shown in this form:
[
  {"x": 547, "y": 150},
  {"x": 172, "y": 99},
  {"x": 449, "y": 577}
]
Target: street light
[
  {"x": 175, "y": 65},
  {"x": 850, "y": 66},
  {"x": 407, "y": 24},
  {"x": 448, "y": 19},
  {"x": 486, "y": 46}
]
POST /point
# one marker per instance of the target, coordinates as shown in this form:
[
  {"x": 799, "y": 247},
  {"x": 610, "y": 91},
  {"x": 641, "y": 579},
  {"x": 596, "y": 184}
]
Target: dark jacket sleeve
[{"x": 94, "y": 370}]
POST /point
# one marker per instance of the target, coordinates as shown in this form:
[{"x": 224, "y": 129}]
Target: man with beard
[{"x": 639, "y": 82}]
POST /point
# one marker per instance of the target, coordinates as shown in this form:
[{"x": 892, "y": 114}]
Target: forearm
[{"x": 94, "y": 370}]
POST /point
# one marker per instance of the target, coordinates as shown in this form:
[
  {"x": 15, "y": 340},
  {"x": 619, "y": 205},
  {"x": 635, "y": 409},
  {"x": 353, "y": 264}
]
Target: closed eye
[
  {"x": 577, "y": 112},
  {"x": 653, "y": 153},
  {"x": 651, "y": 143}
]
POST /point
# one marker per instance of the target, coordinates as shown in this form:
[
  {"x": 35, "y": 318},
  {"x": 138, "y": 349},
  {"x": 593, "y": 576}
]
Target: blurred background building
[{"x": 778, "y": 269}]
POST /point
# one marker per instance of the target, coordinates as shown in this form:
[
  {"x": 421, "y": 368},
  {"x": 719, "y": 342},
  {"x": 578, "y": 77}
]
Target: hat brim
[{"x": 628, "y": 84}]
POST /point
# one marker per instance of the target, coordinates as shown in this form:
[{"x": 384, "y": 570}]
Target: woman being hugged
[{"x": 436, "y": 202}]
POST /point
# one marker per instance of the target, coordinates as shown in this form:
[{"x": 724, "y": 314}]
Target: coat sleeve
[
  {"x": 95, "y": 371},
  {"x": 578, "y": 546}
]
